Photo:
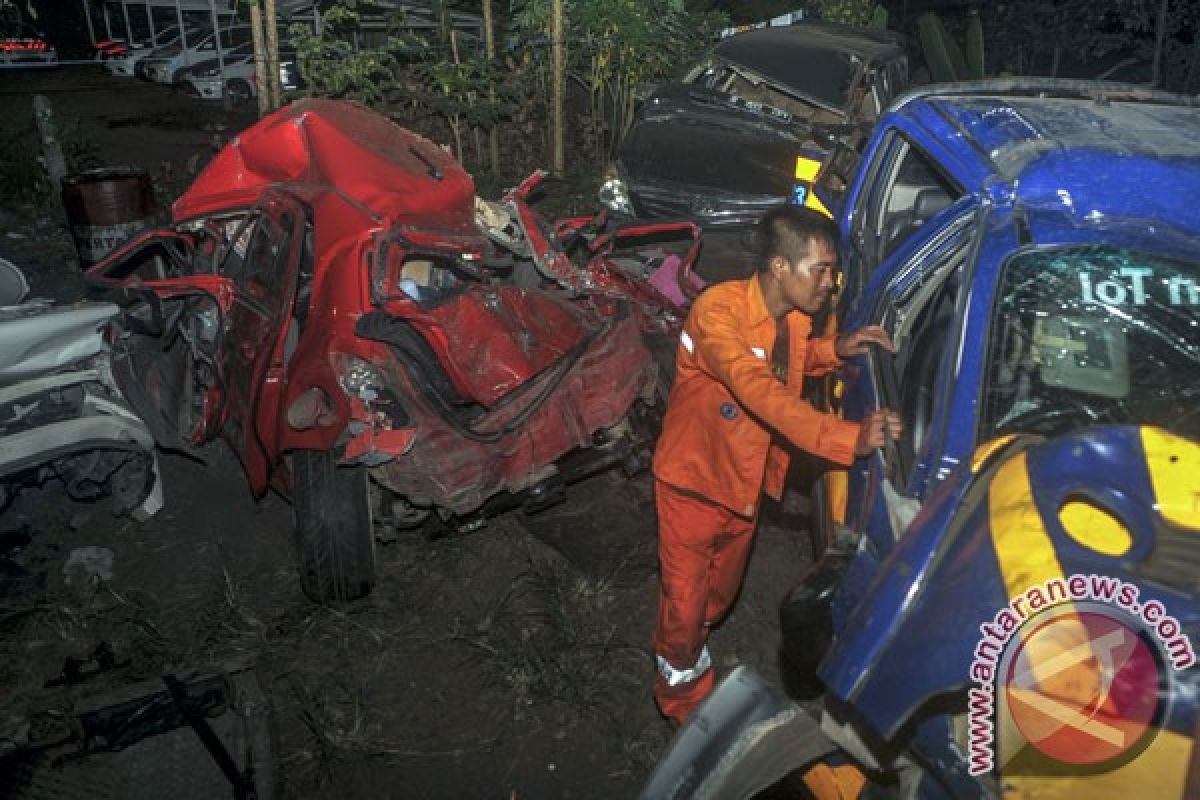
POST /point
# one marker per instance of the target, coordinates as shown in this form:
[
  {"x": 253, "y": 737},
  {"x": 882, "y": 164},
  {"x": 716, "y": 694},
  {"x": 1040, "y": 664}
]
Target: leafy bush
[
  {"x": 846, "y": 12},
  {"x": 615, "y": 48}
]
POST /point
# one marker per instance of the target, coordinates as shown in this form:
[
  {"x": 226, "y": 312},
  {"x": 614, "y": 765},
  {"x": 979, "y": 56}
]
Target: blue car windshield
[{"x": 1092, "y": 336}]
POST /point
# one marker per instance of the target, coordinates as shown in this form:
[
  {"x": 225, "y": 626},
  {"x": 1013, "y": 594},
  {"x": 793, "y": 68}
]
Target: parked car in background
[
  {"x": 28, "y": 50},
  {"x": 123, "y": 58},
  {"x": 165, "y": 64},
  {"x": 325, "y": 301},
  {"x": 1031, "y": 246},
  {"x": 235, "y": 74},
  {"x": 720, "y": 147},
  {"x": 206, "y": 80}
]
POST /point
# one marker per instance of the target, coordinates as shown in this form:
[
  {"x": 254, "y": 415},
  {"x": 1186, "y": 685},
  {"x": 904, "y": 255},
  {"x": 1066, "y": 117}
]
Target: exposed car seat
[{"x": 926, "y": 205}]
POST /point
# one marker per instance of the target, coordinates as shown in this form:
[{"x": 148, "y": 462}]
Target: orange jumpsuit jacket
[{"x": 726, "y": 406}]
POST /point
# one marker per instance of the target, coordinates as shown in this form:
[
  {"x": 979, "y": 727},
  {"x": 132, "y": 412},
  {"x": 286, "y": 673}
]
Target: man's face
[{"x": 807, "y": 282}]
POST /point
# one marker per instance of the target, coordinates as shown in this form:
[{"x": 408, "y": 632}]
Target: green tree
[
  {"x": 614, "y": 48},
  {"x": 1030, "y": 37},
  {"x": 846, "y": 12},
  {"x": 1154, "y": 28}
]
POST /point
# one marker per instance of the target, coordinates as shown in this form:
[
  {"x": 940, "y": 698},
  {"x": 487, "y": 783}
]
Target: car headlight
[
  {"x": 210, "y": 73},
  {"x": 615, "y": 196}
]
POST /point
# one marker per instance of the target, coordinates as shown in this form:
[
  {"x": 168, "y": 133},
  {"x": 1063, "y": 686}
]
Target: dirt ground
[{"x": 509, "y": 663}]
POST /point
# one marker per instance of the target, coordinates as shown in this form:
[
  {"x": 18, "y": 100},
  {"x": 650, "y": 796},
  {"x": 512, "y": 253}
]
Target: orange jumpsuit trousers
[{"x": 703, "y": 550}]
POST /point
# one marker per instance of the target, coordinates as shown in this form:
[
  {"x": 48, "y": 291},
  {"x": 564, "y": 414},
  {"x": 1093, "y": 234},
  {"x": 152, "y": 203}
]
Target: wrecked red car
[
  {"x": 650, "y": 264},
  {"x": 326, "y": 301}
]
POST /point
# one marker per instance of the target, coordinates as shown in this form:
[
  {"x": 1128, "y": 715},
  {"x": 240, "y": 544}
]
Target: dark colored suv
[{"x": 720, "y": 147}]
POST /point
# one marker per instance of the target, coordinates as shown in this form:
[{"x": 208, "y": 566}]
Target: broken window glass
[{"x": 1094, "y": 335}]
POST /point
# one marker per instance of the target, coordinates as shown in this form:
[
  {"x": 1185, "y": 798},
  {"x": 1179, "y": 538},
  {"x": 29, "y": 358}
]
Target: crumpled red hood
[{"x": 333, "y": 144}]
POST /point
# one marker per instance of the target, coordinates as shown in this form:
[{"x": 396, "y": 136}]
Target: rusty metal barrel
[{"x": 105, "y": 207}]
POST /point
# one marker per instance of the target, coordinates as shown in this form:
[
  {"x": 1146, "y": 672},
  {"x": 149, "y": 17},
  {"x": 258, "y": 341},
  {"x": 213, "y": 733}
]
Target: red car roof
[{"x": 317, "y": 144}]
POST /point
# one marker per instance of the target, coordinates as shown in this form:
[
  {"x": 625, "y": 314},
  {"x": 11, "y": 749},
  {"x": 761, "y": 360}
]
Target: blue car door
[{"x": 914, "y": 295}]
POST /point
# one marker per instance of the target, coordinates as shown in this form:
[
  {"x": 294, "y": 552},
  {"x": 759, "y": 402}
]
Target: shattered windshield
[{"x": 1092, "y": 336}]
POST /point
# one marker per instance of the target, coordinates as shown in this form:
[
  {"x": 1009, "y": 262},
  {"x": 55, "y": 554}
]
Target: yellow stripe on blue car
[{"x": 1174, "y": 465}]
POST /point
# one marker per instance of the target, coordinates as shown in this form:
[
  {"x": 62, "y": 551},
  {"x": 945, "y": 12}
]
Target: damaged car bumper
[
  {"x": 61, "y": 413},
  {"x": 99, "y": 442}
]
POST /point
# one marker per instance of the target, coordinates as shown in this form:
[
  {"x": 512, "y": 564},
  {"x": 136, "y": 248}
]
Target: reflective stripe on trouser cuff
[{"x": 675, "y": 677}]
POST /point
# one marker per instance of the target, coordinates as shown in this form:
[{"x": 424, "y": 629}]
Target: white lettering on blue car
[{"x": 1135, "y": 289}]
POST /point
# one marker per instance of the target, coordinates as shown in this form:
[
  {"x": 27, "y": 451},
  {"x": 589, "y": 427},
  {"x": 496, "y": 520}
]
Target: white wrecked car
[{"x": 61, "y": 413}]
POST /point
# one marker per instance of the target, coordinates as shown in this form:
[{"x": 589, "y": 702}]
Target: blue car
[{"x": 1010, "y": 596}]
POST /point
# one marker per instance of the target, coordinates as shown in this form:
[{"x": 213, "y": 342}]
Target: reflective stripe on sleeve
[
  {"x": 675, "y": 677},
  {"x": 687, "y": 342}
]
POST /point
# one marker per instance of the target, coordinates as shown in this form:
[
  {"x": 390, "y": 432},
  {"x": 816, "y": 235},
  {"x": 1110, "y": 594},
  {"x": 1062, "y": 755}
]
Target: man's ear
[{"x": 779, "y": 265}]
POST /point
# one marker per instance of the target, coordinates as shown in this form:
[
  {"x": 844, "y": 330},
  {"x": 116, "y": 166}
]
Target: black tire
[
  {"x": 239, "y": 92},
  {"x": 334, "y": 537},
  {"x": 806, "y": 624}
]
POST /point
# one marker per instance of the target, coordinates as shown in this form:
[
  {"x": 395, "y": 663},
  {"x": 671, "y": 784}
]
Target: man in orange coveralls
[{"x": 736, "y": 403}]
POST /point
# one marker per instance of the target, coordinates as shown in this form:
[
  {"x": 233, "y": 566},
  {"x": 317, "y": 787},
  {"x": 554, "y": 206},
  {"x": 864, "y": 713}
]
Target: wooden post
[
  {"x": 1160, "y": 35},
  {"x": 52, "y": 154},
  {"x": 260, "y": 59},
  {"x": 558, "y": 58},
  {"x": 271, "y": 23},
  {"x": 455, "y": 119},
  {"x": 489, "y": 44}
]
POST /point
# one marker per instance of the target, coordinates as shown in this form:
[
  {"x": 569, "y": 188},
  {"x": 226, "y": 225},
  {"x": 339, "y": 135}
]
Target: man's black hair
[{"x": 786, "y": 231}]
